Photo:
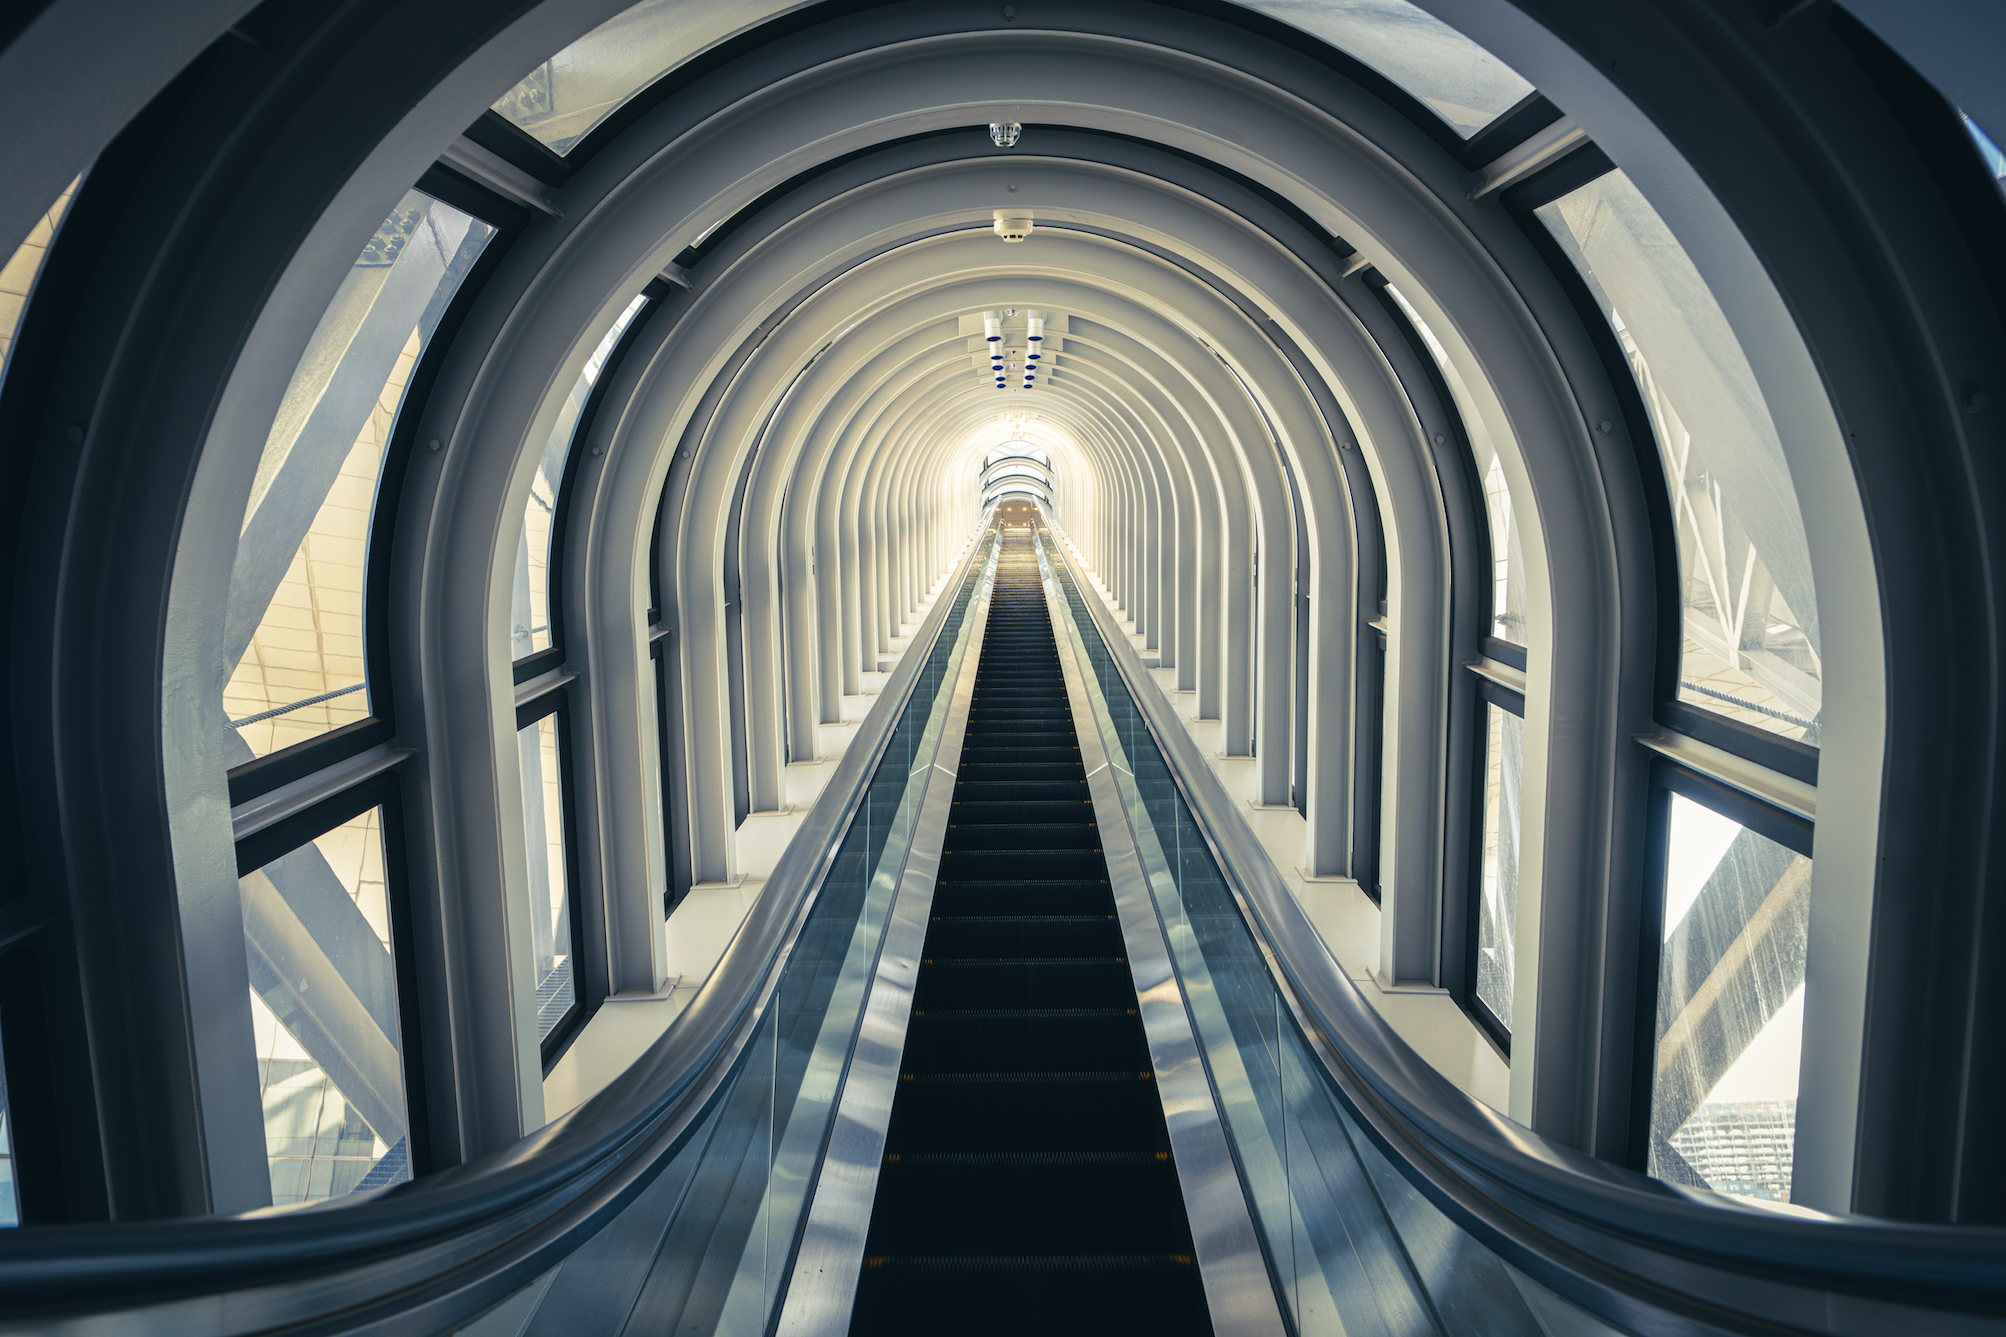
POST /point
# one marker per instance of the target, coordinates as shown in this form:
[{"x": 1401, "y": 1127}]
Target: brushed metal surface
[{"x": 1239, "y": 1290}]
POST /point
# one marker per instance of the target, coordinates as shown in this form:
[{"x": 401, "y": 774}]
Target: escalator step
[{"x": 1027, "y": 1181}]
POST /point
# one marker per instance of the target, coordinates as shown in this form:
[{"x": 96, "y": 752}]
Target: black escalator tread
[{"x": 1027, "y": 1181}]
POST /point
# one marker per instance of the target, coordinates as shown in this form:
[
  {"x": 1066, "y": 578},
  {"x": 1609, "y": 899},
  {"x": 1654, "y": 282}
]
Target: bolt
[
  {"x": 1604, "y": 426},
  {"x": 436, "y": 444}
]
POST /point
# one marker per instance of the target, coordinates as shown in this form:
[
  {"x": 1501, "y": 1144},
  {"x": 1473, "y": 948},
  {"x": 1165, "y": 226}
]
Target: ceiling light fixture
[{"x": 1004, "y": 134}]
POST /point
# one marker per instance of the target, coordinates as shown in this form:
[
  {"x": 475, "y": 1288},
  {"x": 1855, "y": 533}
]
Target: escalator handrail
[
  {"x": 1567, "y": 1217},
  {"x": 437, "y": 1251}
]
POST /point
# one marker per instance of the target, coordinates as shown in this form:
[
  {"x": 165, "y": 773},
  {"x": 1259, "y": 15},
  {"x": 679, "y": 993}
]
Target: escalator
[
  {"x": 1027, "y": 1181},
  {"x": 1024, "y": 1033}
]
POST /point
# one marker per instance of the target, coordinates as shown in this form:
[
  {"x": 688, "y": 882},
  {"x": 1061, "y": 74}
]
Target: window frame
[
  {"x": 543, "y": 661},
  {"x": 262, "y": 775},
  {"x": 1495, "y": 1028},
  {"x": 587, "y": 976},
  {"x": 1522, "y": 201},
  {"x": 1772, "y": 823},
  {"x": 384, "y": 792},
  {"x": 665, "y": 666},
  {"x": 1471, "y": 578}
]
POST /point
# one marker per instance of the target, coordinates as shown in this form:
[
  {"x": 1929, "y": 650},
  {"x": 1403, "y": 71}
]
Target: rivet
[
  {"x": 1604, "y": 426},
  {"x": 1441, "y": 440},
  {"x": 598, "y": 451},
  {"x": 436, "y": 444},
  {"x": 684, "y": 453},
  {"x": 1009, "y": 11}
]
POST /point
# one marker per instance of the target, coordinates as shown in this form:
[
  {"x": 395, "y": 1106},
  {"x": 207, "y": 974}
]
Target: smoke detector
[{"x": 1012, "y": 226}]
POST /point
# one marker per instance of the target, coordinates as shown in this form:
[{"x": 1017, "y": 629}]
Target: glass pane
[
  {"x": 564, "y": 99},
  {"x": 530, "y": 631},
  {"x": 293, "y": 636},
  {"x": 1507, "y": 558},
  {"x": 1507, "y": 549},
  {"x": 1730, "y": 1006},
  {"x": 1751, "y": 618},
  {"x": 1497, "y": 905},
  {"x": 17, "y": 277},
  {"x": 549, "y": 880},
  {"x": 10, "y": 1203},
  {"x": 1466, "y": 85},
  {"x": 1995, "y": 161},
  {"x": 324, "y": 1011}
]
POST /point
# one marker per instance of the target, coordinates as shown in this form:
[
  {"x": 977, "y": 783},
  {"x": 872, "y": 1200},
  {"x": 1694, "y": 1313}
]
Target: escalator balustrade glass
[
  {"x": 1352, "y": 1245},
  {"x": 705, "y": 1247}
]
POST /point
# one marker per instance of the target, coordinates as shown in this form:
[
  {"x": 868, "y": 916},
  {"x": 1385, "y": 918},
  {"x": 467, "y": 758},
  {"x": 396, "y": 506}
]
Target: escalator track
[{"x": 1028, "y": 1182}]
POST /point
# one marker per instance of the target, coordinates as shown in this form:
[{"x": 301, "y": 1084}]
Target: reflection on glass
[
  {"x": 1507, "y": 557},
  {"x": 1730, "y": 1006},
  {"x": 1751, "y": 616},
  {"x": 10, "y": 1203},
  {"x": 530, "y": 629},
  {"x": 549, "y": 880},
  {"x": 17, "y": 276},
  {"x": 1466, "y": 85},
  {"x": 723, "y": 1255},
  {"x": 1018, "y": 448},
  {"x": 1355, "y": 1247},
  {"x": 324, "y": 1012},
  {"x": 564, "y": 99},
  {"x": 1995, "y": 161},
  {"x": 1497, "y": 902},
  {"x": 293, "y": 636},
  {"x": 1507, "y": 547}
]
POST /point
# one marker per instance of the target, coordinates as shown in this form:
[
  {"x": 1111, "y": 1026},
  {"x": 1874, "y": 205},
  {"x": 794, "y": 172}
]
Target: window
[
  {"x": 293, "y": 646},
  {"x": 1750, "y": 647},
  {"x": 1464, "y": 84},
  {"x": 531, "y": 628},
  {"x": 669, "y": 788},
  {"x": 321, "y": 936},
  {"x": 10, "y": 1203},
  {"x": 1728, "y": 1028},
  {"x": 1496, "y": 905},
  {"x": 17, "y": 276},
  {"x": 564, "y": 99},
  {"x": 555, "y": 928},
  {"x": 1995, "y": 161},
  {"x": 1507, "y": 593},
  {"x": 1507, "y": 560}
]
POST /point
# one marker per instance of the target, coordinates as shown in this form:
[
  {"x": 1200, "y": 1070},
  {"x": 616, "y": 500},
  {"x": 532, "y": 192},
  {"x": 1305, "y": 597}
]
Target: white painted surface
[{"x": 711, "y": 914}]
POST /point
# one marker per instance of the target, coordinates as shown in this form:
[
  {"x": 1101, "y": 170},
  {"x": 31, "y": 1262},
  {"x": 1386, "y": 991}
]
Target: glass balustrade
[
  {"x": 1352, "y": 1245},
  {"x": 724, "y": 1216}
]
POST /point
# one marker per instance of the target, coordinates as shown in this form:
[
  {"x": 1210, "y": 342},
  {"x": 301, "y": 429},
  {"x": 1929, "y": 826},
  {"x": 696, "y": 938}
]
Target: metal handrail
[
  {"x": 1645, "y": 1255},
  {"x": 435, "y": 1252}
]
